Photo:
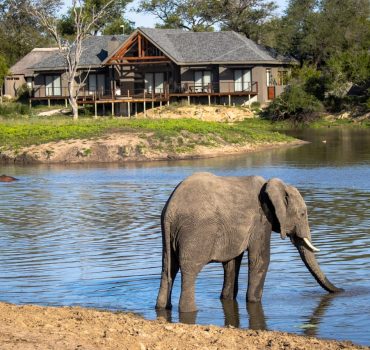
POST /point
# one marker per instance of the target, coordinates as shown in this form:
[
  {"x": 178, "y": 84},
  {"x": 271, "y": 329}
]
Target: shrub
[
  {"x": 13, "y": 109},
  {"x": 294, "y": 104}
]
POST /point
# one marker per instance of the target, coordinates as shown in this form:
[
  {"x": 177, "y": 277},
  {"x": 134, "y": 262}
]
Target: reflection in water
[{"x": 90, "y": 236}]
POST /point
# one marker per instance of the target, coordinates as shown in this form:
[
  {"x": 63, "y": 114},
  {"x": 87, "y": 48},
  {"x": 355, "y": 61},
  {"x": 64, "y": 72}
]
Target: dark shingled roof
[
  {"x": 95, "y": 51},
  {"x": 22, "y": 67},
  {"x": 186, "y": 47}
]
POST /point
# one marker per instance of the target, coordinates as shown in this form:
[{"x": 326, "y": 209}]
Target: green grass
[{"x": 19, "y": 132}]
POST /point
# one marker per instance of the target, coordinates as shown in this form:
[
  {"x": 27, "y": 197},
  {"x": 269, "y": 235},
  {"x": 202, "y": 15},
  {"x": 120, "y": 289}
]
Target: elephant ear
[{"x": 277, "y": 193}]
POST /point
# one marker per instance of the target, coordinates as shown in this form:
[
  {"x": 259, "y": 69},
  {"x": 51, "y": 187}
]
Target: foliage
[
  {"x": 294, "y": 104},
  {"x": 314, "y": 30},
  {"x": 20, "y": 32},
  {"x": 3, "y": 70},
  {"x": 110, "y": 24},
  {"x": 13, "y": 109},
  {"x": 243, "y": 16}
]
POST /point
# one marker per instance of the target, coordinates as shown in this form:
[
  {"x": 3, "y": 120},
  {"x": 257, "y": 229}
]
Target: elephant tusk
[{"x": 309, "y": 245}]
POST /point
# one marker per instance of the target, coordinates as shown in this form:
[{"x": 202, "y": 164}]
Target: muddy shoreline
[
  {"x": 35, "y": 327},
  {"x": 127, "y": 147}
]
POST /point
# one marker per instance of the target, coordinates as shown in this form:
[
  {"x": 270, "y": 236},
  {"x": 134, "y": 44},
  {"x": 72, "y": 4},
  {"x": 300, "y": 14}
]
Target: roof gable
[
  {"x": 95, "y": 51},
  {"x": 186, "y": 47}
]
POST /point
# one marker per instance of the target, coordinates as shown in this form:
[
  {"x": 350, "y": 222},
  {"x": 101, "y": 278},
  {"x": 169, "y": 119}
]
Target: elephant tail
[{"x": 166, "y": 241}]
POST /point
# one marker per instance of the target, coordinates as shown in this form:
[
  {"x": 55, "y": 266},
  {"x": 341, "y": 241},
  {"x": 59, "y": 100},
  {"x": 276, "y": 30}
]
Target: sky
[{"x": 145, "y": 20}]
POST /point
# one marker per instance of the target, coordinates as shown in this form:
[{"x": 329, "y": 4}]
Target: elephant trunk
[{"x": 312, "y": 265}]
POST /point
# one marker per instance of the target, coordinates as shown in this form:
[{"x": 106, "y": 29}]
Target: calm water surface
[{"x": 90, "y": 236}]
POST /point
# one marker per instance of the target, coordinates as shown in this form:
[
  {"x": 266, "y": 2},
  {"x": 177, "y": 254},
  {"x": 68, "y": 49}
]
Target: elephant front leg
[
  {"x": 231, "y": 274},
  {"x": 258, "y": 262}
]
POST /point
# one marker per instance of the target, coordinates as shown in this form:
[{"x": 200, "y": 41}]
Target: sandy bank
[
  {"x": 34, "y": 327},
  {"x": 128, "y": 147}
]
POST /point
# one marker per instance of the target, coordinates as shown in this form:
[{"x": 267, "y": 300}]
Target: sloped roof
[
  {"x": 186, "y": 47},
  {"x": 22, "y": 67},
  {"x": 95, "y": 50}
]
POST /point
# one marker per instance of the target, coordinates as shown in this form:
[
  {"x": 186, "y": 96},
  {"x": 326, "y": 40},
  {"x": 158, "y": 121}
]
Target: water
[{"x": 90, "y": 236}]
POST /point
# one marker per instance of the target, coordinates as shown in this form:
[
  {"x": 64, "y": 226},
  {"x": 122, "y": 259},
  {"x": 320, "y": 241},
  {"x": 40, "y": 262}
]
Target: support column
[
  {"x": 129, "y": 109},
  {"x": 144, "y": 109},
  {"x": 229, "y": 100},
  {"x": 136, "y": 109},
  {"x": 66, "y": 102},
  {"x": 249, "y": 101},
  {"x": 112, "y": 109},
  {"x": 29, "y": 102},
  {"x": 49, "y": 102},
  {"x": 209, "y": 100},
  {"x": 189, "y": 100},
  {"x": 96, "y": 110}
]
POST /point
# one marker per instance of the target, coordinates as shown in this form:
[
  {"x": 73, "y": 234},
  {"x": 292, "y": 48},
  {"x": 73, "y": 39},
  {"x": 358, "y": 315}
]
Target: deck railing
[
  {"x": 159, "y": 93},
  {"x": 220, "y": 87}
]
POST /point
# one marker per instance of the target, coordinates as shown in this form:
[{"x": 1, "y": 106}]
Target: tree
[
  {"x": 3, "y": 73},
  {"x": 247, "y": 16},
  {"x": 195, "y": 15},
  {"x": 85, "y": 21},
  {"x": 314, "y": 30},
  {"x": 20, "y": 32},
  {"x": 244, "y": 16},
  {"x": 110, "y": 24}
]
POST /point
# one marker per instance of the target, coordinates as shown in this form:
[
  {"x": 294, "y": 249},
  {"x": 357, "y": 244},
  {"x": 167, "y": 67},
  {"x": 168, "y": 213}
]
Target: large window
[
  {"x": 282, "y": 77},
  {"x": 53, "y": 85},
  {"x": 154, "y": 82},
  {"x": 202, "y": 80},
  {"x": 96, "y": 83},
  {"x": 243, "y": 80}
]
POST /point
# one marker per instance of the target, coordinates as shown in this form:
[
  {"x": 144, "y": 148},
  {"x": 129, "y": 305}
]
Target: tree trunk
[{"x": 73, "y": 99}]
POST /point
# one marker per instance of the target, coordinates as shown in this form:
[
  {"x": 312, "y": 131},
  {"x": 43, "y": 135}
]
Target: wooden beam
[
  {"x": 142, "y": 58},
  {"x": 139, "y": 44}
]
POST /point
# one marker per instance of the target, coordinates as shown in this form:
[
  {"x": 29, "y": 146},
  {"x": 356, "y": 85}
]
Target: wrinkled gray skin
[{"x": 215, "y": 219}]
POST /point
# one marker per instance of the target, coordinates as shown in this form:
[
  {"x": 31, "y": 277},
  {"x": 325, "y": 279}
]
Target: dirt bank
[
  {"x": 125, "y": 147},
  {"x": 34, "y": 327}
]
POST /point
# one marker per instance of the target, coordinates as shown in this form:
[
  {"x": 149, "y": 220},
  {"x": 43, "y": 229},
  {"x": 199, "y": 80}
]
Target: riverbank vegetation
[{"x": 22, "y": 132}]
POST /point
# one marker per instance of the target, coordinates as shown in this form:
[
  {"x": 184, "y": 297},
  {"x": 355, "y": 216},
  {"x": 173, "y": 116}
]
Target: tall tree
[
  {"x": 247, "y": 16},
  {"x": 244, "y": 16},
  {"x": 195, "y": 15},
  {"x": 314, "y": 30},
  {"x": 110, "y": 24},
  {"x": 3, "y": 73},
  {"x": 20, "y": 32},
  {"x": 85, "y": 20}
]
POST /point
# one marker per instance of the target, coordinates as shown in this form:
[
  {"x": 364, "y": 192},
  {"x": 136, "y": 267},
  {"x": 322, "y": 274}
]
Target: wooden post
[
  {"x": 144, "y": 109},
  {"x": 229, "y": 100},
  {"x": 49, "y": 102},
  {"x": 66, "y": 102},
  {"x": 136, "y": 109},
  {"x": 129, "y": 109},
  {"x": 112, "y": 109},
  {"x": 249, "y": 101},
  {"x": 96, "y": 110},
  {"x": 189, "y": 100},
  {"x": 168, "y": 102},
  {"x": 29, "y": 102},
  {"x": 160, "y": 104},
  {"x": 209, "y": 100}
]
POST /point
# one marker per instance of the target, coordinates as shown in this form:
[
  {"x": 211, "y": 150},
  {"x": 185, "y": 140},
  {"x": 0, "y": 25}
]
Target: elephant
[
  {"x": 210, "y": 218},
  {"x": 6, "y": 178}
]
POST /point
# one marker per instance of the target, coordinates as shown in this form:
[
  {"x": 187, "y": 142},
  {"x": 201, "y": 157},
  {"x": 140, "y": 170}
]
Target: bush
[
  {"x": 13, "y": 109},
  {"x": 294, "y": 104}
]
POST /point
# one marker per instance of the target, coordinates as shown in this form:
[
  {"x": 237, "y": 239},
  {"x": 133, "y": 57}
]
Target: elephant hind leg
[
  {"x": 231, "y": 274},
  {"x": 168, "y": 277},
  {"x": 187, "y": 296}
]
